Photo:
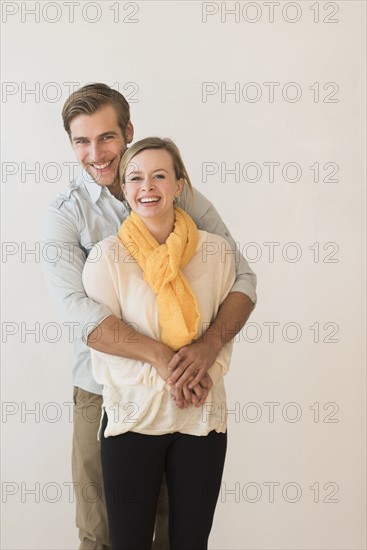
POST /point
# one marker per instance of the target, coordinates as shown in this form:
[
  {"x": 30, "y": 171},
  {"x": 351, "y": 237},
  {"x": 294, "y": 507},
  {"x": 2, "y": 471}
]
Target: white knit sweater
[{"x": 134, "y": 396}]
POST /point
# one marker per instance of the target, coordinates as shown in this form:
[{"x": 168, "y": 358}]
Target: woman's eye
[{"x": 159, "y": 176}]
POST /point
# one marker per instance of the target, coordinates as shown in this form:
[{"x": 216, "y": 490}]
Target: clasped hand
[{"x": 186, "y": 372}]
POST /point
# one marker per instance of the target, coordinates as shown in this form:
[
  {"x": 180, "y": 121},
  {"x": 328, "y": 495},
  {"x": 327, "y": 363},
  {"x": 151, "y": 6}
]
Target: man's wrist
[
  {"x": 159, "y": 353},
  {"x": 212, "y": 339}
]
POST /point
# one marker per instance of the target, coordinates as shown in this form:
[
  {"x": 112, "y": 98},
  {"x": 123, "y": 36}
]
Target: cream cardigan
[{"x": 134, "y": 396}]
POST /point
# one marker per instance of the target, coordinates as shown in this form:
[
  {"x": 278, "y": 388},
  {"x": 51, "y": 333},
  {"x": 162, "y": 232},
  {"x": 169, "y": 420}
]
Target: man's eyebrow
[{"x": 111, "y": 133}]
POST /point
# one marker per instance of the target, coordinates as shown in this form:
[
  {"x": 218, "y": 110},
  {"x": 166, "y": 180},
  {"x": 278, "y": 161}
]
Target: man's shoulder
[
  {"x": 67, "y": 210},
  {"x": 73, "y": 193}
]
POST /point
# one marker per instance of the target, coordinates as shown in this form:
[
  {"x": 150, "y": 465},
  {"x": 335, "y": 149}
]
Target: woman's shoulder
[
  {"x": 205, "y": 237},
  {"x": 214, "y": 250},
  {"x": 111, "y": 249}
]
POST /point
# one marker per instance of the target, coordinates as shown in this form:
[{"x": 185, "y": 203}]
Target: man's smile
[{"x": 101, "y": 166}]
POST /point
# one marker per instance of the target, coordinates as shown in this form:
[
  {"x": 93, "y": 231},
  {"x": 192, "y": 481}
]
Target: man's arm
[
  {"x": 93, "y": 322},
  {"x": 233, "y": 313},
  {"x": 207, "y": 219},
  {"x": 198, "y": 357}
]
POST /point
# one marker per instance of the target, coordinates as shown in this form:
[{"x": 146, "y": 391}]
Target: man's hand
[
  {"x": 162, "y": 360},
  {"x": 188, "y": 391},
  {"x": 191, "y": 361}
]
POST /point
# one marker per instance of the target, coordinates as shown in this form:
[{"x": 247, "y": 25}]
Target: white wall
[{"x": 313, "y": 376}]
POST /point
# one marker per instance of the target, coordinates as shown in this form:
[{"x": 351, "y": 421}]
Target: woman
[{"x": 159, "y": 275}]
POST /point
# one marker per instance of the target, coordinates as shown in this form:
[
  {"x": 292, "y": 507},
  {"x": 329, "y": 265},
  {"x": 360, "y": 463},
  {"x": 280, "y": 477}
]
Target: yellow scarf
[{"x": 178, "y": 311}]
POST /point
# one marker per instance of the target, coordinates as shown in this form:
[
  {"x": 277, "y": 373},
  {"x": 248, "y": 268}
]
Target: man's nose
[{"x": 96, "y": 151}]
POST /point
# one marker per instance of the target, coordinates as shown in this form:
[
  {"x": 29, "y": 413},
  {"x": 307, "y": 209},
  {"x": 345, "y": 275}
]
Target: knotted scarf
[{"x": 178, "y": 311}]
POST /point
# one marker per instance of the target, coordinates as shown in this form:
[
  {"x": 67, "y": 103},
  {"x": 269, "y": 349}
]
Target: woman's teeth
[{"x": 153, "y": 199}]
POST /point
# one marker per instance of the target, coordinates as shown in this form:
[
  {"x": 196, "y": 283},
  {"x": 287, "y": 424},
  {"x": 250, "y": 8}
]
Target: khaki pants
[{"x": 91, "y": 516}]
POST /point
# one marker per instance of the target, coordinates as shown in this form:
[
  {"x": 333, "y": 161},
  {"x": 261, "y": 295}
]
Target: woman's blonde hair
[{"x": 157, "y": 143}]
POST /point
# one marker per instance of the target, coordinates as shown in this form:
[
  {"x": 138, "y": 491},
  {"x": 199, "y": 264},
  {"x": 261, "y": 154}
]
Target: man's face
[{"x": 99, "y": 145}]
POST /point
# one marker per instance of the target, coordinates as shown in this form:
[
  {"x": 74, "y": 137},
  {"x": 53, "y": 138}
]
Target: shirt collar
[{"x": 91, "y": 186}]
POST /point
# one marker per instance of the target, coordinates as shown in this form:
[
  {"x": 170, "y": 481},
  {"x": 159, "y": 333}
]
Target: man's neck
[{"x": 116, "y": 191}]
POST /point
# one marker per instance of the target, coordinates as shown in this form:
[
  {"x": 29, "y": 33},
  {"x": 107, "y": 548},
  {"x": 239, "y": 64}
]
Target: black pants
[{"x": 133, "y": 465}]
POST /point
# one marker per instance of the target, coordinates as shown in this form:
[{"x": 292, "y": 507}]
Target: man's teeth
[
  {"x": 102, "y": 166},
  {"x": 149, "y": 200}
]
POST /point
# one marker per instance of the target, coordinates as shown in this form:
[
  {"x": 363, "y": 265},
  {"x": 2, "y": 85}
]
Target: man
[{"x": 97, "y": 120}]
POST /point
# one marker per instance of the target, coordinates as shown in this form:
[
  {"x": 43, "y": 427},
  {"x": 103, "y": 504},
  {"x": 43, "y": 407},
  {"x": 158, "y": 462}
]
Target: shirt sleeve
[
  {"x": 207, "y": 219},
  {"x": 63, "y": 262},
  {"x": 226, "y": 274}
]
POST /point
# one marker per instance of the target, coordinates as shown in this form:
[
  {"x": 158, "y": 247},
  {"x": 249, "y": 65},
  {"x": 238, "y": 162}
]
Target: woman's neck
[{"x": 160, "y": 229}]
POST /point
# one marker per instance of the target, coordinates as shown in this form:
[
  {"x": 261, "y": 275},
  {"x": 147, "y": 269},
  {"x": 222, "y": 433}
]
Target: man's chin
[{"x": 103, "y": 180}]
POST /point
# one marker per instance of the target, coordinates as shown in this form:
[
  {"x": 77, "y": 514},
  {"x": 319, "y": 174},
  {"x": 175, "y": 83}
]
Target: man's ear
[{"x": 129, "y": 132}]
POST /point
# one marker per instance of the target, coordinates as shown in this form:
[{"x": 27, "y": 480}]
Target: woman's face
[{"x": 150, "y": 184}]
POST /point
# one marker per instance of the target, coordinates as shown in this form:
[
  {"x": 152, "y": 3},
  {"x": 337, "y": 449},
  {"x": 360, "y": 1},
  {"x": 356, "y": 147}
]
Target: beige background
[{"x": 294, "y": 476}]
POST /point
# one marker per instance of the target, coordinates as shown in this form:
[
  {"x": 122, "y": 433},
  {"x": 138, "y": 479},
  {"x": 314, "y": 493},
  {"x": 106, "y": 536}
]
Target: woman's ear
[{"x": 180, "y": 184}]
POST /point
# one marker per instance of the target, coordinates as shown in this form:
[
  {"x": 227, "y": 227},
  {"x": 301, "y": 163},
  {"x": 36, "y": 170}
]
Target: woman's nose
[{"x": 148, "y": 184}]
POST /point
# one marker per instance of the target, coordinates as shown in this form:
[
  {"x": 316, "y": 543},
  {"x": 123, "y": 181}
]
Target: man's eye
[
  {"x": 81, "y": 141},
  {"x": 105, "y": 138}
]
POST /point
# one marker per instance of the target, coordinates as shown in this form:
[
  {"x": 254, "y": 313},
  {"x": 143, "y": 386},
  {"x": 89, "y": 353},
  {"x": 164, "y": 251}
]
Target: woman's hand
[
  {"x": 184, "y": 397},
  {"x": 202, "y": 390}
]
